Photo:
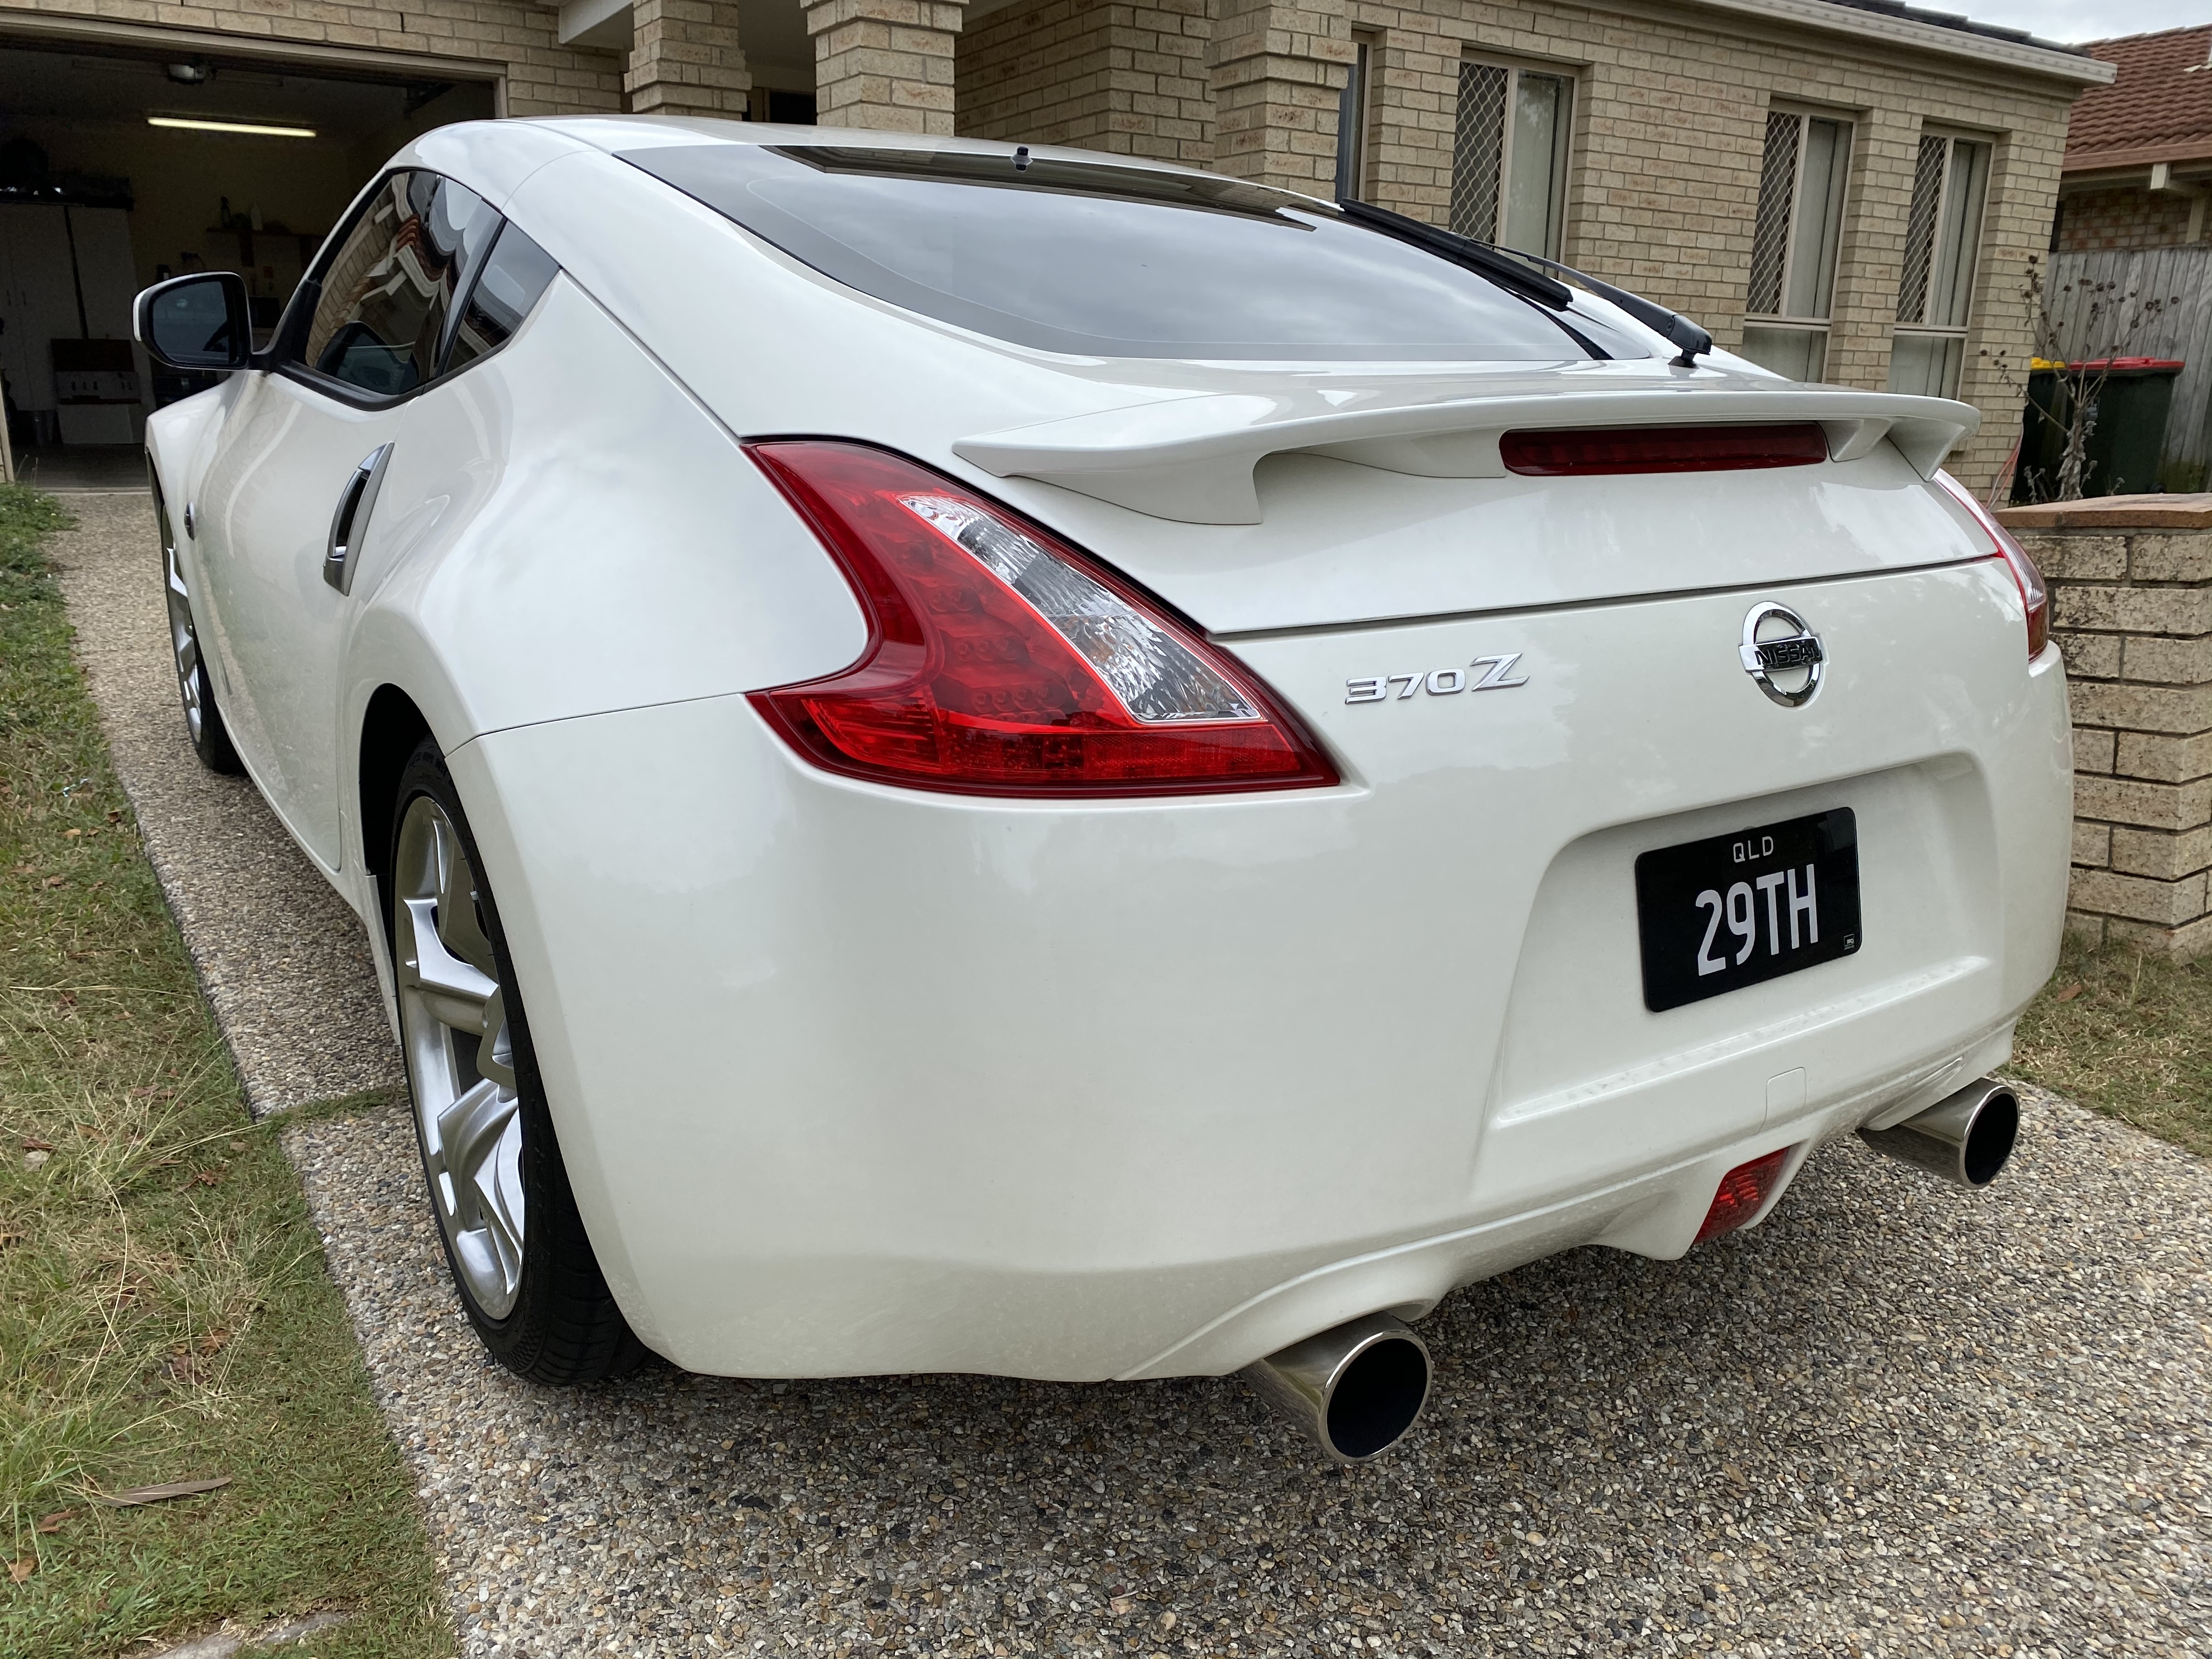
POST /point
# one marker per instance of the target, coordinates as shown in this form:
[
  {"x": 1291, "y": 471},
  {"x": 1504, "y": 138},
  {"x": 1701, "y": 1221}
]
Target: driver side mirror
[{"x": 198, "y": 322}]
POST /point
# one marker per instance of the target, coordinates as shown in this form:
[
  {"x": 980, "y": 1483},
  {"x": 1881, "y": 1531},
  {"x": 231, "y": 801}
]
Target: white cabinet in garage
[{"x": 67, "y": 274}]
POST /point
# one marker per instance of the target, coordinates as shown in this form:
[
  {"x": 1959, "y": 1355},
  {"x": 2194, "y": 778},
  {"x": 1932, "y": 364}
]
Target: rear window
[{"x": 1099, "y": 260}]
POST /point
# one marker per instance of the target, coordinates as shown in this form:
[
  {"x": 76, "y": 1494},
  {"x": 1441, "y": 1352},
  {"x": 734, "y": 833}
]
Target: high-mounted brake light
[
  {"x": 1001, "y": 661},
  {"x": 2034, "y": 594},
  {"x": 1743, "y": 1193},
  {"x": 1584, "y": 451}
]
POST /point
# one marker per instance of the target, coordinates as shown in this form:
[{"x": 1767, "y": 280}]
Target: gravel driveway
[{"x": 1894, "y": 1420}]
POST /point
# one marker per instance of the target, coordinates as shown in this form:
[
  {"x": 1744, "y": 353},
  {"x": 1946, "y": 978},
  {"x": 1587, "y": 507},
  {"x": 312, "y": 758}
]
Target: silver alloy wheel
[
  {"x": 184, "y": 637},
  {"x": 460, "y": 1060}
]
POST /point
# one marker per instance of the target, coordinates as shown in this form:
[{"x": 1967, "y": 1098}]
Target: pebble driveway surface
[{"x": 1896, "y": 1419}]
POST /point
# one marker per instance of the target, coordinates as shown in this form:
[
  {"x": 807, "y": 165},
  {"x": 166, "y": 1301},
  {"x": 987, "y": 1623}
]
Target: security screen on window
[
  {"x": 1510, "y": 157},
  {"x": 1943, "y": 229},
  {"x": 1794, "y": 242},
  {"x": 1099, "y": 259}
]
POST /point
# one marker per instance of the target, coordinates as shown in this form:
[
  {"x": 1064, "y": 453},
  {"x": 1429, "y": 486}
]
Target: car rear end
[{"x": 1175, "y": 936}]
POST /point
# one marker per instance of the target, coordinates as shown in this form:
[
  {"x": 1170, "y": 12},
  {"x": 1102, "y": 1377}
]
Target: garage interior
[{"x": 118, "y": 169}]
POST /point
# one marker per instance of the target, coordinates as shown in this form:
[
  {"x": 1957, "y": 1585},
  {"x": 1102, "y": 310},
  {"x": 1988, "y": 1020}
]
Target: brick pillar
[
  {"x": 1277, "y": 70},
  {"x": 885, "y": 64},
  {"x": 685, "y": 60},
  {"x": 2131, "y": 606}
]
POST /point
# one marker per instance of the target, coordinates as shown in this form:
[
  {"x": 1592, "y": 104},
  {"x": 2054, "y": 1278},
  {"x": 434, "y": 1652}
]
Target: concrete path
[
  {"x": 1894, "y": 1420},
  {"x": 281, "y": 955}
]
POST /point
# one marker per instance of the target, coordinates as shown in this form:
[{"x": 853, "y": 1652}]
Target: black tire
[
  {"x": 203, "y": 722},
  {"x": 563, "y": 1327}
]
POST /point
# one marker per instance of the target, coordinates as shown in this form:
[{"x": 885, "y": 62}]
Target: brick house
[
  {"x": 2138, "y": 167},
  {"x": 1843, "y": 189}
]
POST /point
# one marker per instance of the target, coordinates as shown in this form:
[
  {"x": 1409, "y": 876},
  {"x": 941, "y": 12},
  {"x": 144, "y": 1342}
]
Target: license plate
[{"x": 1718, "y": 914}]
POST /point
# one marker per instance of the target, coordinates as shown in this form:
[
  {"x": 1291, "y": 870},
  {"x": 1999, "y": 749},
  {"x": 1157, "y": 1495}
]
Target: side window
[
  {"x": 1943, "y": 233},
  {"x": 1794, "y": 243},
  {"x": 387, "y": 294},
  {"x": 1509, "y": 156},
  {"x": 517, "y": 273}
]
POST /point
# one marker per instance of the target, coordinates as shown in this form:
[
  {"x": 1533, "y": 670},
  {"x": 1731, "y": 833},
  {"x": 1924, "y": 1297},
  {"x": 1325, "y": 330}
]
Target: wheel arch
[{"x": 392, "y": 726}]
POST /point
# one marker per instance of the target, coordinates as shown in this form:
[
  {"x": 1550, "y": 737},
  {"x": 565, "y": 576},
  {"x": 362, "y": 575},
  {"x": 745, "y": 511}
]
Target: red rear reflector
[
  {"x": 2033, "y": 593},
  {"x": 1001, "y": 661},
  {"x": 1663, "y": 449},
  {"x": 1744, "y": 1191}
]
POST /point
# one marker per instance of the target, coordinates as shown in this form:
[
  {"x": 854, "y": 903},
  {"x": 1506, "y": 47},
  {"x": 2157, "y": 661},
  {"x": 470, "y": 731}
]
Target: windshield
[{"x": 1100, "y": 260}]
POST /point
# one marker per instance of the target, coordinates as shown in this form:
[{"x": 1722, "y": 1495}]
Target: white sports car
[{"x": 1091, "y": 770}]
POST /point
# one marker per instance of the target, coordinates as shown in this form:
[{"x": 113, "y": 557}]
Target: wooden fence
[{"x": 2100, "y": 305}]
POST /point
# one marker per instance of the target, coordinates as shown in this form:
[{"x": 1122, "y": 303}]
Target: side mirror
[{"x": 198, "y": 322}]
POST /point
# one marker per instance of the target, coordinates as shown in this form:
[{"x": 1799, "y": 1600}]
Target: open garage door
[{"x": 118, "y": 169}]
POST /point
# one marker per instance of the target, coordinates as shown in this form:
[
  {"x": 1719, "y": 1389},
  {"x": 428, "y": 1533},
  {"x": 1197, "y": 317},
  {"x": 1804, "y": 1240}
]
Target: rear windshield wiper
[
  {"x": 1694, "y": 341},
  {"x": 1510, "y": 268},
  {"x": 1478, "y": 257}
]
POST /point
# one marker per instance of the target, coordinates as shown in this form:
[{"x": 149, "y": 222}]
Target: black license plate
[{"x": 1718, "y": 914}]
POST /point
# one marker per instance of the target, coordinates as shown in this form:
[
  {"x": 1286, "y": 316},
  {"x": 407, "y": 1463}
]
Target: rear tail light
[
  {"x": 1663, "y": 449},
  {"x": 1743, "y": 1193},
  {"x": 1001, "y": 661},
  {"x": 2032, "y": 593}
]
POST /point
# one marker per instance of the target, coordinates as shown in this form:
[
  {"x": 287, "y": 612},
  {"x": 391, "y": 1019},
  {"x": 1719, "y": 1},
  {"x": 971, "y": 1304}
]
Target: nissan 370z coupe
[{"x": 966, "y": 758}]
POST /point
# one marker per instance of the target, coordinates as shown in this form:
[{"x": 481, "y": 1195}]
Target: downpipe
[
  {"x": 1965, "y": 1138},
  {"x": 1354, "y": 1390}
]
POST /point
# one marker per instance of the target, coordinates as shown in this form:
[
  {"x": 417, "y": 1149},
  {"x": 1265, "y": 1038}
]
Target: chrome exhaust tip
[
  {"x": 1355, "y": 1390},
  {"x": 1966, "y": 1137}
]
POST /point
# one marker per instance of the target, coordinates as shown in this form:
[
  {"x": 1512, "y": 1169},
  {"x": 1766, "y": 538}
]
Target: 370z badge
[{"x": 1497, "y": 675}]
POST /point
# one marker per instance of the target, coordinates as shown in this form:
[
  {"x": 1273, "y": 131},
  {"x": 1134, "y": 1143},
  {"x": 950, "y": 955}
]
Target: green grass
[
  {"x": 165, "y": 1312},
  {"x": 2129, "y": 1036}
]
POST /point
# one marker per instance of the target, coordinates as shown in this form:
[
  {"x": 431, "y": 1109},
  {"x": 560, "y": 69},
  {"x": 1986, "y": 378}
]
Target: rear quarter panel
[{"x": 563, "y": 531}]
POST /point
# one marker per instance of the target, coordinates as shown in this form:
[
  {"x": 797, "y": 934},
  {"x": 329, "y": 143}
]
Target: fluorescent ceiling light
[{"x": 267, "y": 129}]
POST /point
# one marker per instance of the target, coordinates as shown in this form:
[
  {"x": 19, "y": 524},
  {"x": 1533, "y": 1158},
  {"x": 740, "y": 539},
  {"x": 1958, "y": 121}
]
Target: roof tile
[{"x": 2162, "y": 101}]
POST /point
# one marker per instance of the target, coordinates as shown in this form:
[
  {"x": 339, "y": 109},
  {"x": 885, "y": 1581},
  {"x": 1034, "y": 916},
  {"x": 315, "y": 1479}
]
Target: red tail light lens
[
  {"x": 1663, "y": 449},
  {"x": 1743, "y": 1193},
  {"x": 1001, "y": 661},
  {"x": 2033, "y": 593}
]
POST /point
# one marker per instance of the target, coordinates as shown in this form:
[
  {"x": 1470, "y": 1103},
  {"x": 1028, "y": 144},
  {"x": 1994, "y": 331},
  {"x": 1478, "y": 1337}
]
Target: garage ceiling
[{"x": 78, "y": 85}]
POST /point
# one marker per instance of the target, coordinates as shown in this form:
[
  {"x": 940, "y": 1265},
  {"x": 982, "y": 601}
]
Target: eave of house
[
  {"x": 2090, "y": 166},
  {"x": 1823, "y": 17},
  {"x": 773, "y": 33}
]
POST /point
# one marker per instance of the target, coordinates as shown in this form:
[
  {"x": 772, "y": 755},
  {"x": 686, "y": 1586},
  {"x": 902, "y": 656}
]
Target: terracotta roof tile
[{"x": 2161, "y": 103}]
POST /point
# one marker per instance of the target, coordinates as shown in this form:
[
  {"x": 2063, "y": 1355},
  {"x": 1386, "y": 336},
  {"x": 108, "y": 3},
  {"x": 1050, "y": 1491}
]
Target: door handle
[{"x": 356, "y": 501}]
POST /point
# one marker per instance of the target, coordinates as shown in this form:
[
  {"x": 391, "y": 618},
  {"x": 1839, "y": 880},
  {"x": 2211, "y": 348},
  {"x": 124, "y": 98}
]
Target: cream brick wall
[
  {"x": 1278, "y": 69},
  {"x": 542, "y": 76},
  {"x": 2131, "y": 607},
  {"x": 886, "y": 64},
  {"x": 686, "y": 60},
  {"x": 1129, "y": 79}
]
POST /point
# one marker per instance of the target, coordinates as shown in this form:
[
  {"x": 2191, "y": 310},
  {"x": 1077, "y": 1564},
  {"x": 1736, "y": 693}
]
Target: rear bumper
[{"x": 853, "y": 1080}]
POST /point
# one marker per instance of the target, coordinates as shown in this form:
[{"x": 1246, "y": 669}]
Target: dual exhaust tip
[{"x": 1357, "y": 1388}]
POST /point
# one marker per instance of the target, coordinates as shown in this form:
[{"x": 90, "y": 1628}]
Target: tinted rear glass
[{"x": 1096, "y": 259}]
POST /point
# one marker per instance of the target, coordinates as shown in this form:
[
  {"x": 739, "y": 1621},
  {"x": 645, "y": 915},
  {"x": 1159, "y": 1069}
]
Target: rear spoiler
[{"x": 1191, "y": 459}]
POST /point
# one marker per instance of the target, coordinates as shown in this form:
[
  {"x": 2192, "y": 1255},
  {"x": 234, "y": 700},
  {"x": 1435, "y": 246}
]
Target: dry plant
[{"x": 2079, "y": 327}]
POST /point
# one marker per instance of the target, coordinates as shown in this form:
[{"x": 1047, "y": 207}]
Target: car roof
[{"x": 494, "y": 156}]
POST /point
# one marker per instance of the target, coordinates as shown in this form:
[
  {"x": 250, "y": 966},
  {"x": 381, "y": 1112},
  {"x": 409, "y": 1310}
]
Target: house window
[
  {"x": 1942, "y": 228},
  {"x": 1509, "y": 156},
  {"x": 1793, "y": 243},
  {"x": 1351, "y": 117}
]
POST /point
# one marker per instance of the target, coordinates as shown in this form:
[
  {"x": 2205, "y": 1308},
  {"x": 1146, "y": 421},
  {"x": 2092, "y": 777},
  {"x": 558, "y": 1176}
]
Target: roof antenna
[{"x": 1021, "y": 158}]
